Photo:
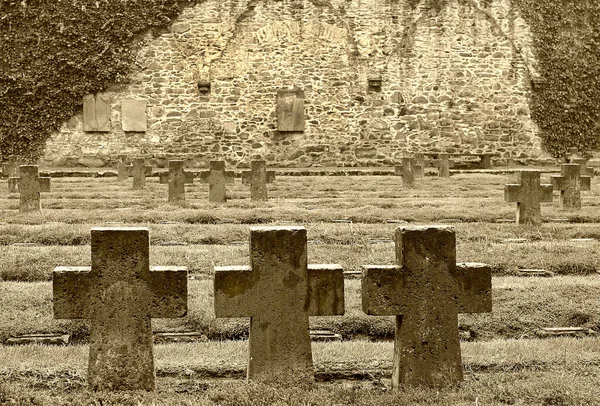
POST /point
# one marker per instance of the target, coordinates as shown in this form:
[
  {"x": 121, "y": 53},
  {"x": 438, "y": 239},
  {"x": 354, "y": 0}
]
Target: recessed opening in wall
[
  {"x": 204, "y": 87},
  {"x": 374, "y": 84}
]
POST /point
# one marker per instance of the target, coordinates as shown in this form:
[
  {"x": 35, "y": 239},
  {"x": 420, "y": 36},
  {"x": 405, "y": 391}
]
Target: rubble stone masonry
[{"x": 380, "y": 78}]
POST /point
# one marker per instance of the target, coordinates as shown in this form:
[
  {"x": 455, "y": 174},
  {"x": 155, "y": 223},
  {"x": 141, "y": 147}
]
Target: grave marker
[
  {"x": 120, "y": 294},
  {"x": 443, "y": 165},
  {"x": 177, "y": 178},
  {"x": 583, "y": 163},
  {"x": 10, "y": 168},
  {"x": 123, "y": 170},
  {"x": 570, "y": 184},
  {"x": 408, "y": 176},
  {"x": 528, "y": 194},
  {"x": 140, "y": 170},
  {"x": 258, "y": 177},
  {"x": 419, "y": 165},
  {"x": 96, "y": 113},
  {"x": 216, "y": 178},
  {"x": 426, "y": 291},
  {"x": 133, "y": 115},
  {"x": 279, "y": 291},
  {"x": 13, "y": 184},
  {"x": 30, "y": 185}
]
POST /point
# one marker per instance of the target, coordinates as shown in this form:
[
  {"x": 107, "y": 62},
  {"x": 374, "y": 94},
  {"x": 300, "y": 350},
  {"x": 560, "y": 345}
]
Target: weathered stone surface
[
  {"x": 123, "y": 170},
  {"x": 570, "y": 184},
  {"x": 120, "y": 294},
  {"x": 278, "y": 292},
  {"x": 91, "y": 162},
  {"x": 133, "y": 115},
  {"x": 216, "y": 179},
  {"x": 583, "y": 162},
  {"x": 528, "y": 194},
  {"x": 96, "y": 113},
  {"x": 258, "y": 177},
  {"x": 29, "y": 188},
  {"x": 139, "y": 173},
  {"x": 426, "y": 291},
  {"x": 176, "y": 182},
  {"x": 443, "y": 165},
  {"x": 419, "y": 165},
  {"x": 10, "y": 168},
  {"x": 290, "y": 110},
  {"x": 408, "y": 176}
]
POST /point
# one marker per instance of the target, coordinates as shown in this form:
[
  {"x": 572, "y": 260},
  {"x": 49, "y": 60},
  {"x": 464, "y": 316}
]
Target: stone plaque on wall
[
  {"x": 290, "y": 110},
  {"x": 133, "y": 115},
  {"x": 96, "y": 113}
]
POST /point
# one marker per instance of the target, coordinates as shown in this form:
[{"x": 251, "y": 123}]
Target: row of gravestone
[
  {"x": 29, "y": 184},
  {"x": 426, "y": 290}
]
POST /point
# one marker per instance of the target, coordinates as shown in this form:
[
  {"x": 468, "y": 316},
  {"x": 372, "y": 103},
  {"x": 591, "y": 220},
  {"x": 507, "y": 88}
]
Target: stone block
[
  {"x": 133, "y": 115},
  {"x": 290, "y": 110}
]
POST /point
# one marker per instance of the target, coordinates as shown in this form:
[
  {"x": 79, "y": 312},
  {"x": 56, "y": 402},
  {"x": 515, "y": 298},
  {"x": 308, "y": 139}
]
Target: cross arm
[
  {"x": 233, "y": 291},
  {"x": 325, "y": 290},
  {"x": 586, "y": 183},
  {"x": 558, "y": 182},
  {"x": 512, "y": 193},
  {"x": 474, "y": 288},
  {"x": 546, "y": 193},
  {"x": 71, "y": 289},
  {"x": 44, "y": 184},
  {"x": 168, "y": 286},
  {"x": 383, "y": 290},
  {"x": 271, "y": 176}
]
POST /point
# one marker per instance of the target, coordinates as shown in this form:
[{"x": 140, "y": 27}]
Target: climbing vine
[
  {"x": 566, "y": 96},
  {"x": 52, "y": 53}
]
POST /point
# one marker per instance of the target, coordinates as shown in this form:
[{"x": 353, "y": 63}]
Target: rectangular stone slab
[
  {"x": 133, "y": 115},
  {"x": 290, "y": 110},
  {"x": 475, "y": 287},
  {"x": 325, "y": 290}
]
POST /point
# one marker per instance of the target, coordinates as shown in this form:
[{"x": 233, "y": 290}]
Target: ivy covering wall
[
  {"x": 566, "y": 98},
  {"x": 53, "y": 52}
]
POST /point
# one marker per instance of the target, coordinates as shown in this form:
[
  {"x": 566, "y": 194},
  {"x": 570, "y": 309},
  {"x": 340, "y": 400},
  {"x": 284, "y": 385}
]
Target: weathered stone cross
[
  {"x": 120, "y": 294},
  {"x": 528, "y": 194},
  {"x": 29, "y": 185},
  {"x": 407, "y": 170},
  {"x": 176, "y": 178},
  {"x": 216, "y": 178},
  {"x": 426, "y": 291},
  {"x": 419, "y": 165},
  {"x": 443, "y": 164},
  {"x": 122, "y": 168},
  {"x": 140, "y": 170},
  {"x": 258, "y": 177},
  {"x": 570, "y": 184},
  {"x": 279, "y": 291},
  {"x": 10, "y": 168}
]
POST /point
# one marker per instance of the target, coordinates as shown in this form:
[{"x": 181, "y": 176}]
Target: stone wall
[{"x": 453, "y": 79}]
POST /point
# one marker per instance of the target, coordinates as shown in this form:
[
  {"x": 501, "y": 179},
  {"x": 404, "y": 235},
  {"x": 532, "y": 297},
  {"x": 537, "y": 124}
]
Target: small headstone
[
  {"x": 140, "y": 171},
  {"x": 216, "y": 182},
  {"x": 120, "y": 294},
  {"x": 258, "y": 177},
  {"x": 419, "y": 165},
  {"x": 123, "y": 170},
  {"x": 177, "y": 180},
  {"x": 279, "y": 292},
  {"x": 443, "y": 165},
  {"x": 582, "y": 162},
  {"x": 30, "y": 187},
  {"x": 570, "y": 184},
  {"x": 10, "y": 168},
  {"x": 426, "y": 291},
  {"x": 408, "y": 176},
  {"x": 528, "y": 194}
]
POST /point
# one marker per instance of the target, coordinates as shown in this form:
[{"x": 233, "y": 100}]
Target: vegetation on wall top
[{"x": 52, "y": 53}]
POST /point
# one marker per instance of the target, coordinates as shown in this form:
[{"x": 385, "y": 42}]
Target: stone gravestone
[
  {"x": 419, "y": 165},
  {"x": 408, "y": 176},
  {"x": 133, "y": 115},
  {"x": 570, "y": 184},
  {"x": 30, "y": 186},
  {"x": 279, "y": 291},
  {"x": 426, "y": 291},
  {"x": 528, "y": 194},
  {"x": 583, "y": 163},
  {"x": 216, "y": 178},
  {"x": 290, "y": 110},
  {"x": 120, "y": 294},
  {"x": 258, "y": 177},
  {"x": 96, "y": 113},
  {"x": 443, "y": 165},
  {"x": 176, "y": 178},
  {"x": 10, "y": 168},
  {"x": 13, "y": 184},
  {"x": 140, "y": 170},
  {"x": 123, "y": 170}
]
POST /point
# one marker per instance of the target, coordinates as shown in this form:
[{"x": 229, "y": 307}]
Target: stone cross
[
  {"x": 419, "y": 165},
  {"x": 258, "y": 177},
  {"x": 140, "y": 170},
  {"x": 426, "y": 291},
  {"x": 408, "y": 175},
  {"x": 176, "y": 178},
  {"x": 443, "y": 165},
  {"x": 10, "y": 168},
  {"x": 13, "y": 184},
  {"x": 279, "y": 291},
  {"x": 123, "y": 169},
  {"x": 570, "y": 184},
  {"x": 528, "y": 194},
  {"x": 216, "y": 178},
  {"x": 120, "y": 294},
  {"x": 583, "y": 163},
  {"x": 30, "y": 185}
]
